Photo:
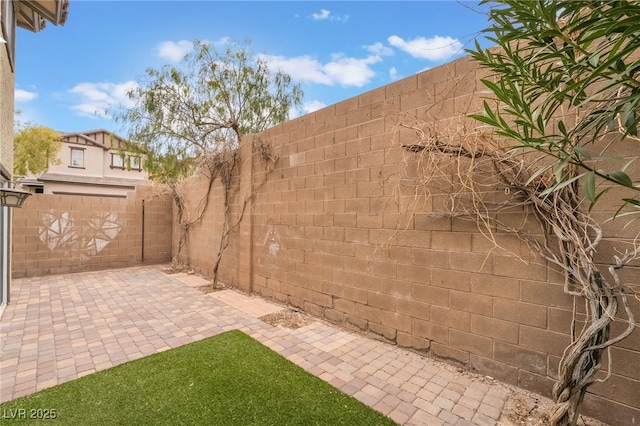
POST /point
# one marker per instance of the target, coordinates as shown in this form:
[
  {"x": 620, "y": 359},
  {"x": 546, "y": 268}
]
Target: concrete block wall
[
  {"x": 58, "y": 234},
  {"x": 158, "y": 222},
  {"x": 203, "y": 236},
  {"x": 329, "y": 232}
]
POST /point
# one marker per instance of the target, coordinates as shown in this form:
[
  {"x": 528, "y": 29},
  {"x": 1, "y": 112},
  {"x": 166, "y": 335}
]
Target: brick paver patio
[{"x": 59, "y": 328}]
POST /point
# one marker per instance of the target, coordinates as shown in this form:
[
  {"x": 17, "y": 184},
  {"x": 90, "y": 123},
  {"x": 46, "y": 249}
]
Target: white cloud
[
  {"x": 95, "y": 99},
  {"x": 434, "y": 49},
  {"x": 306, "y": 108},
  {"x": 380, "y": 49},
  {"x": 312, "y": 106},
  {"x": 174, "y": 51},
  {"x": 302, "y": 68},
  {"x": 24, "y": 95},
  {"x": 351, "y": 71},
  {"x": 340, "y": 70},
  {"x": 393, "y": 73},
  {"x": 325, "y": 15}
]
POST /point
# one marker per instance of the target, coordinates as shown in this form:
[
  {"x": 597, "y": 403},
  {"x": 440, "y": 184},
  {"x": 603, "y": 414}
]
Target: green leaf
[
  {"x": 590, "y": 186},
  {"x": 483, "y": 119},
  {"x": 581, "y": 71},
  {"x": 632, "y": 201},
  {"x": 559, "y": 168},
  {"x": 582, "y": 153},
  {"x": 593, "y": 203},
  {"x": 629, "y": 120},
  {"x": 560, "y": 185},
  {"x": 491, "y": 85},
  {"x": 562, "y": 128},
  {"x": 622, "y": 178}
]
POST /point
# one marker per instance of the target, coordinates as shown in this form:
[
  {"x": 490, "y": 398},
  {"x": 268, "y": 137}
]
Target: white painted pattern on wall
[{"x": 76, "y": 236}]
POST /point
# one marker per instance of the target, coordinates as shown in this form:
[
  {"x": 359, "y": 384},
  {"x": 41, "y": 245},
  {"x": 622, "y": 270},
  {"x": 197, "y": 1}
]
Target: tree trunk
[{"x": 578, "y": 368}]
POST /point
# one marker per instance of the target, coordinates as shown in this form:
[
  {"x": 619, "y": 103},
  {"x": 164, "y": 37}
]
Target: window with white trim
[{"x": 77, "y": 157}]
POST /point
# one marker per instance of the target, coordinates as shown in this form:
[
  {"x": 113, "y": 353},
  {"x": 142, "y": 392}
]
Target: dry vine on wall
[
  {"x": 225, "y": 165},
  {"x": 480, "y": 173},
  {"x": 186, "y": 223},
  {"x": 221, "y": 164}
]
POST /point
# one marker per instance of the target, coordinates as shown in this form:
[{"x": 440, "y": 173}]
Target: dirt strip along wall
[
  {"x": 59, "y": 234},
  {"x": 329, "y": 231}
]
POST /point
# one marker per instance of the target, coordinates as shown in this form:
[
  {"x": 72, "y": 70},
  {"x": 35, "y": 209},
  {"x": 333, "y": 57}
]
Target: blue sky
[{"x": 66, "y": 77}]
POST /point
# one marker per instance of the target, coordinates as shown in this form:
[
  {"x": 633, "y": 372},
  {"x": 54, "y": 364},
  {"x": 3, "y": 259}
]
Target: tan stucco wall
[
  {"x": 97, "y": 164},
  {"x": 93, "y": 161},
  {"x": 121, "y": 173},
  {"x": 6, "y": 109}
]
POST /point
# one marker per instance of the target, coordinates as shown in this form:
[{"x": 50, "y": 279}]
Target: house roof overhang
[
  {"x": 89, "y": 137},
  {"x": 92, "y": 180},
  {"x": 34, "y": 14}
]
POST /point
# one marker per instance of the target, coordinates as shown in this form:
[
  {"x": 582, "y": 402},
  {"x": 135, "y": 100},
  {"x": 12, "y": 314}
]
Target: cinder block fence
[
  {"x": 330, "y": 230},
  {"x": 58, "y": 234}
]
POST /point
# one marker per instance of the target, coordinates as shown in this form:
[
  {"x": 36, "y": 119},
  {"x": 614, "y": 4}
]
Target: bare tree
[{"x": 190, "y": 120}]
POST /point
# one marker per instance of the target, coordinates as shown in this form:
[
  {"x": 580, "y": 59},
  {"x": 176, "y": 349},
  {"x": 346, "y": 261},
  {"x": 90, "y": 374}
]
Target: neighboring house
[
  {"x": 33, "y": 16},
  {"x": 91, "y": 163}
]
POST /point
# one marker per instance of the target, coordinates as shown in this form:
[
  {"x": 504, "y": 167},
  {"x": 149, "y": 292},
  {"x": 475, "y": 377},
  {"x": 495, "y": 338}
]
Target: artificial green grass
[{"x": 229, "y": 379}]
